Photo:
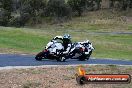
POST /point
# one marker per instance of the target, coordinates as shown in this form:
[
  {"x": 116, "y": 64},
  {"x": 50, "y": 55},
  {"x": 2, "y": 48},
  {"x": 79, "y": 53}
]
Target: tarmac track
[{"x": 28, "y": 60}]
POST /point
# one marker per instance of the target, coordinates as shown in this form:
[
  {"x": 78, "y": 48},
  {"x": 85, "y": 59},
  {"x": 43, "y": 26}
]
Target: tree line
[{"x": 19, "y": 12}]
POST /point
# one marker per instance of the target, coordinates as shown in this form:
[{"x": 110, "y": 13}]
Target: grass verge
[{"x": 31, "y": 41}]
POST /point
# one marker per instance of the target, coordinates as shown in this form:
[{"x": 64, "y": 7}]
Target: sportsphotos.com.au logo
[{"x": 83, "y": 78}]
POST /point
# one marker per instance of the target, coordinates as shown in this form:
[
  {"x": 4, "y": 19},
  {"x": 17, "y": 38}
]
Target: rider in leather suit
[{"x": 66, "y": 43}]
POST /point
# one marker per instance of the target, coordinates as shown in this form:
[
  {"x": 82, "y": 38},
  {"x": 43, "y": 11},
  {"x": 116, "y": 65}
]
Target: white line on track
[{"x": 48, "y": 66}]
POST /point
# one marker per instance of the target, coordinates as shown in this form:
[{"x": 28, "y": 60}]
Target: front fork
[{"x": 46, "y": 53}]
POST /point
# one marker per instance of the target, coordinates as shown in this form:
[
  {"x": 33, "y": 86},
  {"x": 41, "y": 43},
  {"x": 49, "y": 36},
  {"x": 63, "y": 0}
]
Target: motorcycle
[
  {"x": 81, "y": 50},
  {"x": 54, "y": 50}
]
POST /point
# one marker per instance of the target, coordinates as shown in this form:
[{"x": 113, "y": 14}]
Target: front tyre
[{"x": 39, "y": 56}]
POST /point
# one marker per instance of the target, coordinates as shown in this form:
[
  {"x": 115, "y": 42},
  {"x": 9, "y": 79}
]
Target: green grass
[
  {"x": 33, "y": 39},
  {"x": 21, "y": 40},
  {"x": 129, "y": 27},
  {"x": 26, "y": 40}
]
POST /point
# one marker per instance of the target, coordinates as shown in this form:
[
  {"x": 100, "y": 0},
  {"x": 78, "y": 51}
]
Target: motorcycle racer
[
  {"x": 55, "y": 43},
  {"x": 61, "y": 48},
  {"x": 67, "y": 43}
]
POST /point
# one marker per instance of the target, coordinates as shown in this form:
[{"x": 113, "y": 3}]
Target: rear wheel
[{"x": 82, "y": 58}]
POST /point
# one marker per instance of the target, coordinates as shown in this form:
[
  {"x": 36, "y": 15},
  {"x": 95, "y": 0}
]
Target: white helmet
[
  {"x": 66, "y": 36},
  {"x": 87, "y": 41}
]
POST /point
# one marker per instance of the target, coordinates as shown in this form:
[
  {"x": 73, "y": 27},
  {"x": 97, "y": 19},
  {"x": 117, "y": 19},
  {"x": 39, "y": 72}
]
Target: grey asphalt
[{"x": 27, "y": 60}]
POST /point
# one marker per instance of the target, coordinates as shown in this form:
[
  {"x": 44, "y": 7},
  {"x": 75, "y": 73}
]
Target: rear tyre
[{"x": 82, "y": 58}]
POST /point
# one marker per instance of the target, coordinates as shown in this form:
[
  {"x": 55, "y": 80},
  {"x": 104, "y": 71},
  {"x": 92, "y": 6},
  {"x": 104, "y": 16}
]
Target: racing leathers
[{"x": 67, "y": 45}]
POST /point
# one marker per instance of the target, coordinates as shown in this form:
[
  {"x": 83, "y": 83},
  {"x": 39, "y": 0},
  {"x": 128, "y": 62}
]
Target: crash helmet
[
  {"x": 67, "y": 36},
  {"x": 87, "y": 41}
]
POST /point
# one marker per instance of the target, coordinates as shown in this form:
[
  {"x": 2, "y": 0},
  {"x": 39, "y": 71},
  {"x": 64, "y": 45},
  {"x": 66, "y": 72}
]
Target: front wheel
[{"x": 39, "y": 56}]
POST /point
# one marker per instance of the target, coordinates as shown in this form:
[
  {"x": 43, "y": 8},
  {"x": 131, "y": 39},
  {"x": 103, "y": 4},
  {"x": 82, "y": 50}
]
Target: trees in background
[
  {"x": 6, "y": 4},
  {"x": 77, "y": 6},
  {"x": 121, "y": 4},
  {"x": 20, "y": 12},
  {"x": 98, "y": 3},
  {"x": 5, "y": 11},
  {"x": 28, "y": 10},
  {"x": 32, "y": 9},
  {"x": 57, "y": 8}
]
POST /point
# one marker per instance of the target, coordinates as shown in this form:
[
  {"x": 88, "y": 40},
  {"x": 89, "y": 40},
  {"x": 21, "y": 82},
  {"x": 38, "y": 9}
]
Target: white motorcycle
[
  {"x": 81, "y": 50},
  {"x": 54, "y": 50}
]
